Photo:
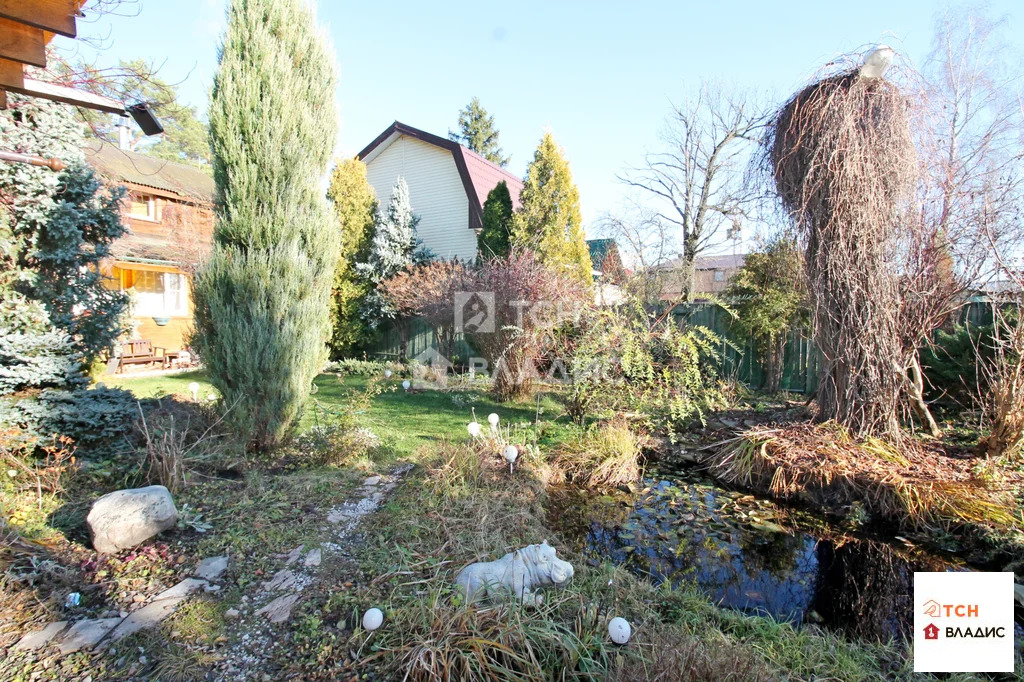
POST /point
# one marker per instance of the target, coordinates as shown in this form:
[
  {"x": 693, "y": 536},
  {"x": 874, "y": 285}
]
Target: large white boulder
[{"x": 124, "y": 518}]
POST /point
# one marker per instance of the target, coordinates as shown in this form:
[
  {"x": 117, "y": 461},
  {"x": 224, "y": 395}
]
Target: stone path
[
  {"x": 255, "y": 619},
  {"x": 253, "y": 622},
  {"x": 99, "y": 633}
]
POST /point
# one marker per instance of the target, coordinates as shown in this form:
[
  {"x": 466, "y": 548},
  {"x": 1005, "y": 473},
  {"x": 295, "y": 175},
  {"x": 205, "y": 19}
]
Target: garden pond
[{"x": 750, "y": 554}]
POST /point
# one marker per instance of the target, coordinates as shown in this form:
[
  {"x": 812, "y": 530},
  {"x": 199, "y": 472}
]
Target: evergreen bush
[{"x": 262, "y": 299}]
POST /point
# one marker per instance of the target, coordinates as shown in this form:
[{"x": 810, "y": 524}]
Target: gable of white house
[{"x": 436, "y": 192}]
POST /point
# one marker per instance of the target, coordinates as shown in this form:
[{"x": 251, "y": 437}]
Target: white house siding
[{"x": 435, "y": 190}]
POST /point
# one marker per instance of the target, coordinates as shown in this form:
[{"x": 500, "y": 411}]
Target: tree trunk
[
  {"x": 403, "y": 340},
  {"x": 776, "y": 363},
  {"x": 915, "y": 394}
]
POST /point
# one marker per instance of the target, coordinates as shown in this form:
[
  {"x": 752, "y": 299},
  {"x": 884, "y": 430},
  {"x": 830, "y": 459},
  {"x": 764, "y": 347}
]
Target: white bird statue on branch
[{"x": 877, "y": 62}]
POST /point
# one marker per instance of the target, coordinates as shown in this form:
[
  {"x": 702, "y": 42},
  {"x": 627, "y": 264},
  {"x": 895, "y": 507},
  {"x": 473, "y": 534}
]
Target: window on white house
[
  {"x": 159, "y": 294},
  {"x": 719, "y": 275},
  {"x": 142, "y": 206}
]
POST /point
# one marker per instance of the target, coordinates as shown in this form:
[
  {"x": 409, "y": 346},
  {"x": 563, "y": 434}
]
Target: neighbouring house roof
[
  {"x": 724, "y": 262},
  {"x": 599, "y": 248},
  {"x": 119, "y": 165},
  {"x": 479, "y": 176}
]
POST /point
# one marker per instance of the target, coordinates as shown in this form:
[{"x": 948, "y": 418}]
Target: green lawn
[{"x": 405, "y": 421}]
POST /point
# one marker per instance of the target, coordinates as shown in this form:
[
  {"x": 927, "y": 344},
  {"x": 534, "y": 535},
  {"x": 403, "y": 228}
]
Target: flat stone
[
  {"x": 212, "y": 568},
  {"x": 280, "y": 609},
  {"x": 294, "y": 555},
  {"x": 85, "y": 634},
  {"x": 232, "y": 613},
  {"x": 282, "y": 580},
  {"x": 372, "y": 480},
  {"x": 40, "y": 638},
  {"x": 153, "y": 613},
  {"x": 313, "y": 558}
]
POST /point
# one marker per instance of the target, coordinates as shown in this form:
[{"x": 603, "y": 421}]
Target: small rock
[
  {"x": 313, "y": 558},
  {"x": 372, "y": 480},
  {"x": 143, "y": 660},
  {"x": 212, "y": 568},
  {"x": 280, "y": 609},
  {"x": 232, "y": 613},
  {"x": 125, "y": 518},
  {"x": 212, "y": 588}
]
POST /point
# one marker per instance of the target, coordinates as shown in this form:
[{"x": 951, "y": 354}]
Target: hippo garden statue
[{"x": 519, "y": 573}]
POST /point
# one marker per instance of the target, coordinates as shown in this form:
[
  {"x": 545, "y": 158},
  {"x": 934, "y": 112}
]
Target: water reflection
[{"x": 746, "y": 554}]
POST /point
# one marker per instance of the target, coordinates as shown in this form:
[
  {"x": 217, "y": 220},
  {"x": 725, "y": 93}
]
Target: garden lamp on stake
[{"x": 511, "y": 453}]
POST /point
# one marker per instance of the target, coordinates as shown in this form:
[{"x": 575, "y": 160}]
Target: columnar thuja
[{"x": 261, "y": 312}]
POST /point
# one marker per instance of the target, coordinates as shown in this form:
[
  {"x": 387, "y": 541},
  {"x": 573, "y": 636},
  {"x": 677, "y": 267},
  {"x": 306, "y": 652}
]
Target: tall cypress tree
[
  {"x": 354, "y": 207},
  {"x": 549, "y": 220},
  {"x": 496, "y": 232},
  {"x": 262, "y": 298},
  {"x": 477, "y": 131}
]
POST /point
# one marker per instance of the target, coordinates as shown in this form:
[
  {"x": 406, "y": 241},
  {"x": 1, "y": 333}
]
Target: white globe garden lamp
[
  {"x": 473, "y": 428},
  {"x": 511, "y": 453},
  {"x": 194, "y": 388},
  {"x": 493, "y": 420},
  {"x": 406, "y": 385},
  {"x": 619, "y": 630},
  {"x": 372, "y": 619},
  {"x": 387, "y": 374}
]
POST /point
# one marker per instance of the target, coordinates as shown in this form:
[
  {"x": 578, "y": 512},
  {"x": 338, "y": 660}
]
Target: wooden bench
[{"x": 139, "y": 352}]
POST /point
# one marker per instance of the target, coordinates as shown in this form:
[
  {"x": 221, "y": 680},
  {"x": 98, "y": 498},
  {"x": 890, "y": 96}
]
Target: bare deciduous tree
[
  {"x": 969, "y": 143},
  {"x": 696, "y": 183}
]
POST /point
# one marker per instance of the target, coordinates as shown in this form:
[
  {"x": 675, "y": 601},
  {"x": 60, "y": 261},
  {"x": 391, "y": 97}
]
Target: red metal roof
[{"x": 485, "y": 175}]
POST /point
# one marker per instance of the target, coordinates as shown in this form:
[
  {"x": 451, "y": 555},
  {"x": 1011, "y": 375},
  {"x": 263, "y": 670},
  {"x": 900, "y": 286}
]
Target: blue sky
[{"x": 599, "y": 75}]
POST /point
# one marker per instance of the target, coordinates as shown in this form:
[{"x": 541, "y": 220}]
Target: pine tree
[
  {"x": 262, "y": 298},
  {"x": 496, "y": 233},
  {"x": 477, "y": 131},
  {"x": 549, "y": 220},
  {"x": 392, "y": 250},
  {"x": 354, "y": 208}
]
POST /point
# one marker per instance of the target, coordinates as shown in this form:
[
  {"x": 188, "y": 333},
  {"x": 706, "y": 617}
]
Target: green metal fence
[
  {"x": 738, "y": 359},
  {"x": 802, "y": 360}
]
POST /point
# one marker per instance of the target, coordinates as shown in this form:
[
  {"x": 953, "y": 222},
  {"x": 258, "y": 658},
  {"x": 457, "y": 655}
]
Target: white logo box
[{"x": 966, "y": 612}]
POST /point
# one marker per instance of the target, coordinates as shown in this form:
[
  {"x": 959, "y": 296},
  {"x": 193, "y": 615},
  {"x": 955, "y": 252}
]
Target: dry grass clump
[
  {"x": 175, "y": 438},
  {"x": 607, "y": 454},
  {"x": 826, "y": 466},
  {"x": 668, "y": 655}
]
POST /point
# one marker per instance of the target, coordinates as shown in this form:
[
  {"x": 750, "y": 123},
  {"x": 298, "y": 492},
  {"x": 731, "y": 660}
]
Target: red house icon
[{"x": 931, "y": 631}]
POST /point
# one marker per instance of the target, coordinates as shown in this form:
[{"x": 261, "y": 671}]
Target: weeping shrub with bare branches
[{"x": 841, "y": 156}]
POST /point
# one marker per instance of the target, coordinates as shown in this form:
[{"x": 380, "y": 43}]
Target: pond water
[{"x": 750, "y": 554}]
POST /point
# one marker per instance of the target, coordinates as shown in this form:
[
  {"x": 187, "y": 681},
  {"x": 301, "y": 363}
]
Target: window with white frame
[
  {"x": 719, "y": 275},
  {"x": 159, "y": 294},
  {"x": 142, "y": 206}
]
